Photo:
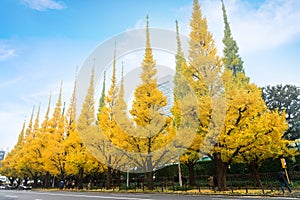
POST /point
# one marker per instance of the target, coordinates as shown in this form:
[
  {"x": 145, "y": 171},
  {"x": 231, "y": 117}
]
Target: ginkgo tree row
[
  {"x": 214, "y": 102},
  {"x": 52, "y": 147}
]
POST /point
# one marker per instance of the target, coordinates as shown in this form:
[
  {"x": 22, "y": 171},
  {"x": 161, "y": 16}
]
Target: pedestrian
[
  {"x": 282, "y": 179},
  {"x": 73, "y": 184},
  {"x": 62, "y": 185},
  {"x": 211, "y": 182},
  {"x": 89, "y": 186},
  {"x": 68, "y": 185}
]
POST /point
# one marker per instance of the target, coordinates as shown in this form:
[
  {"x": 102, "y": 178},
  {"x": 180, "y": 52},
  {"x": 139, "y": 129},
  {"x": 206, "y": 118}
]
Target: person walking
[
  {"x": 211, "y": 182},
  {"x": 62, "y": 185},
  {"x": 282, "y": 179}
]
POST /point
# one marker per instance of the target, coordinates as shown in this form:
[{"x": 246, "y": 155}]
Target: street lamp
[{"x": 127, "y": 179}]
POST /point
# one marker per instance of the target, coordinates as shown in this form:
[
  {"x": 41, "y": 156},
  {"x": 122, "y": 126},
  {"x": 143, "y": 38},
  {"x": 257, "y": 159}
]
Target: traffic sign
[{"x": 283, "y": 163}]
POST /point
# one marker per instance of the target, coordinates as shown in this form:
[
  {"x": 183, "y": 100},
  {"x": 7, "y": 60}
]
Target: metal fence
[{"x": 233, "y": 181}]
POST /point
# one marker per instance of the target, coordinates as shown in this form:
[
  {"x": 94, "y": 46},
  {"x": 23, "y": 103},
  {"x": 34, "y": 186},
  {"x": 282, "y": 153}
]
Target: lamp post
[
  {"x": 179, "y": 170},
  {"x": 127, "y": 179}
]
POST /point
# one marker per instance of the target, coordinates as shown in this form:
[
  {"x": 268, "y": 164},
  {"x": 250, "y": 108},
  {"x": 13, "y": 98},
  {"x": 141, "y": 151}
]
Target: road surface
[{"x": 62, "y": 195}]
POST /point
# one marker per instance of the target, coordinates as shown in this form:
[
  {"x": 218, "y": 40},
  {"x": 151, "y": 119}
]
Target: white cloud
[
  {"x": 11, "y": 82},
  {"x": 6, "y": 53},
  {"x": 275, "y": 23},
  {"x": 11, "y": 124},
  {"x": 262, "y": 27},
  {"x": 13, "y": 113},
  {"x": 267, "y": 33},
  {"x": 138, "y": 25},
  {"x": 43, "y": 5},
  {"x": 269, "y": 25},
  {"x": 28, "y": 80}
]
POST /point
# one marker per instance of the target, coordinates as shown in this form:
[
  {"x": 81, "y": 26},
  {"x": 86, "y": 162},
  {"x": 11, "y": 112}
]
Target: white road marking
[
  {"x": 11, "y": 196},
  {"x": 90, "y": 196},
  {"x": 254, "y": 197}
]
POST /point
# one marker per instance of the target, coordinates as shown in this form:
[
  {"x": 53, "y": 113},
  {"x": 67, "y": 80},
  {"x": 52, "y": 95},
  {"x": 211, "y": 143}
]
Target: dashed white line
[
  {"x": 11, "y": 196},
  {"x": 90, "y": 196}
]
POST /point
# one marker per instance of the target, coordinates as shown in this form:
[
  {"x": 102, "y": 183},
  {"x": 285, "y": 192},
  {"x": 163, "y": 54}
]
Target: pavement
[
  {"x": 251, "y": 192},
  {"x": 235, "y": 193},
  {"x": 202, "y": 194}
]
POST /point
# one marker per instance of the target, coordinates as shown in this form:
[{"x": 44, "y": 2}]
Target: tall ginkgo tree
[
  {"x": 31, "y": 152},
  {"x": 115, "y": 126},
  {"x": 41, "y": 141},
  {"x": 123, "y": 130},
  {"x": 231, "y": 59},
  {"x": 108, "y": 126},
  {"x": 23, "y": 166},
  {"x": 54, "y": 152},
  {"x": 245, "y": 109},
  {"x": 260, "y": 129},
  {"x": 178, "y": 91},
  {"x": 75, "y": 150},
  {"x": 202, "y": 73},
  {"x": 10, "y": 163},
  {"x": 181, "y": 115},
  {"x": 78, "y": 160},
  {"x": 150, "y": 123}
]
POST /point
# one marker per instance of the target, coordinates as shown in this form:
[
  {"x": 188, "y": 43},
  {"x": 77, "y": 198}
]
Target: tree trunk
[
  {"x": 190, "y": 166},
  {"x": 149, "y": 176},
  {"x": 47, "y": 180},
  {"x": 35, "y": 180},
  {"x": 253, "y": 167},
  {"x": 11, "y": 180},
  {"x": 119, "y": 178},
  {"x": 25, "y": 180},
  {"x": 149, "y": 173},
  {"x": 19, "y": 182},
  {"x": 80, "y": 178},
  {"x": 221, "y": 169},
  {"x": 108, "y": 178}
]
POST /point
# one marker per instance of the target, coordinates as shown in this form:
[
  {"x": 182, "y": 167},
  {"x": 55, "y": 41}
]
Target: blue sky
[{"x": 42, "y": 42}]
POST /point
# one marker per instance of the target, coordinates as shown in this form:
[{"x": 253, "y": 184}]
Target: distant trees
[{"x": 285, "y": 98}]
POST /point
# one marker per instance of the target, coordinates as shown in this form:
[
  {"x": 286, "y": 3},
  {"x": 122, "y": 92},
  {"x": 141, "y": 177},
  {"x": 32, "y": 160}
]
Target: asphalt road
[{"x": 40, "y": 195}]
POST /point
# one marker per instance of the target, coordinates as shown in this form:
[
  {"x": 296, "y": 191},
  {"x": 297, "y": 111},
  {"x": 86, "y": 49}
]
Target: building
[{"x": 166, "y": 85}]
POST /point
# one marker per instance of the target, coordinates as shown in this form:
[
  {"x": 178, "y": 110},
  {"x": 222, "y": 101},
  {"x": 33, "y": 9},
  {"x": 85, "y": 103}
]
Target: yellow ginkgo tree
[
  {"x": 151, "y": 126},
  {"x": 31, "y": 161},
  {"x": 113, "y": 137},
  {"x": 53, "y": 137},
  {"x": 79, "y": 162},
  {"x": 202, "y": 74},
  {"x": 265, "y": 140},
  {"x": 9, "y": 166}
]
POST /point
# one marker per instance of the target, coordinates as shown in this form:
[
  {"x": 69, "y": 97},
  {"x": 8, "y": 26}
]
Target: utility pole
[{"x": 179, "y": 170}]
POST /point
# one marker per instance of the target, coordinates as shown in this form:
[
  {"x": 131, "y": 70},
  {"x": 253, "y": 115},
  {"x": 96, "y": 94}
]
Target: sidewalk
[
  {"x": 251, "y": 192},
  {"x": 242, "y": 192}
]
